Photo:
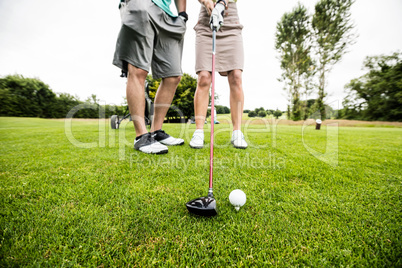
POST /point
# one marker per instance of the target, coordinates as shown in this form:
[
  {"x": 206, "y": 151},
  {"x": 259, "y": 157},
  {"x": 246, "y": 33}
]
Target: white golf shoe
[
  {"x": 197, "y": 141},
  {"x": 238, "y": 140},
  {"x": 164, "y": 138}
]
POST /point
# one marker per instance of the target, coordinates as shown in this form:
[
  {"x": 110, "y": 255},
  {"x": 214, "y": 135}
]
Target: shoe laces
[
  {"x": 197, "y": 136},
  {"x": 238, "y": 136},
  {"x": 161, "y": 133},
  {"x": 151, "y": 138}
]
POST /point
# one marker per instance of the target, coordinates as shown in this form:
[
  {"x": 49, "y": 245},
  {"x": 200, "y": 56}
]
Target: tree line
[
  {"x": 30, "y": 97},
  {"x": 261, "y": 112},
  {"x": 377, "y": 95}
]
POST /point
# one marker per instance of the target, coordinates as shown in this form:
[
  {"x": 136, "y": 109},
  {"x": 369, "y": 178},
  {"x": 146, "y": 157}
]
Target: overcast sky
[{"x": 70, "y": 44}]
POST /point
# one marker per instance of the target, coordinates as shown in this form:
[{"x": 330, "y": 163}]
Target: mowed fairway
[{"x": 81, "y": 196}]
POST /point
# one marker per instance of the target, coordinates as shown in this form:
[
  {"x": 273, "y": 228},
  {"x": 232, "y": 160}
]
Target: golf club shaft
[{"x": 211, "y": 155}]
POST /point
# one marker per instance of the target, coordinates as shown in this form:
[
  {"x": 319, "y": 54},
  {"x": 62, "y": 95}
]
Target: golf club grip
[{"x": 211, "y": 155}]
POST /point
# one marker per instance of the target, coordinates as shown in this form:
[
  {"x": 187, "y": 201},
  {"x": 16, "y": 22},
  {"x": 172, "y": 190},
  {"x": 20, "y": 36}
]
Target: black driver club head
[{"x": 202, "y": 206}]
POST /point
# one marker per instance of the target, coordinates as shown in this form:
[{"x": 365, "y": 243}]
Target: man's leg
[
  {"x": 236, "y": 97},
  {"x": 163, "y": 100},
  {"x": 136, "y": 103},
  {"x": 136, "y": 98}
]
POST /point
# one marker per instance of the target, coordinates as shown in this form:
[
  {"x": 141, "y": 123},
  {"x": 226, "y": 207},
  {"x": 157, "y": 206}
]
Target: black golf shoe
[
  {"x": 147, "y": 144},
  {"x": 164, "y": 138}
]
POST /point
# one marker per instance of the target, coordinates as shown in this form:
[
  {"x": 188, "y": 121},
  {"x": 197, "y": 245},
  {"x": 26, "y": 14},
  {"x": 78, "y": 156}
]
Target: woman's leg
[
  {"x": 236, "y": 97},
  {"x": 201, "y": 98}
]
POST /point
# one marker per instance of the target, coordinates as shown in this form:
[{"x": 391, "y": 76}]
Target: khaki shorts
[
  {"x": 150, "y": 38},
  {"x": 229, "y": 43}
]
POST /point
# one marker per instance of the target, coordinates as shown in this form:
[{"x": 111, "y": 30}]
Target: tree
[
  {"x": 184, "y": 96},
  {"x": 30, "y": 97},
  {"x": 219, "y": 109},
  {"x": 377, "y": 95},
  {"x": 64, "y": 103},
  {"x": 222, "y": 109},
  {"x": 333, "y": 34},
  {"x": 288, "y": 114},
  {"x": 8, "y": 103},
  {"x": 252, "y": 114},
  {"x": 308, "y": 108},
  {"x": 262, "y": 113},
  {"x": 293, "y": 42},
  {"x": 257, "y": 110},
  {"x": 277, "y": 114}
]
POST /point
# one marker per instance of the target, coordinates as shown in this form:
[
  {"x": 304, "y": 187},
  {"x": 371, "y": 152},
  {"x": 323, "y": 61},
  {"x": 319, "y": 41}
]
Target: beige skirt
[{"x": 229, "y": 43}]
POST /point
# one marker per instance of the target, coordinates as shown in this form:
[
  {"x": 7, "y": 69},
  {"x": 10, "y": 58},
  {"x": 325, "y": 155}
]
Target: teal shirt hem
[{"x": 165, "y": 6}]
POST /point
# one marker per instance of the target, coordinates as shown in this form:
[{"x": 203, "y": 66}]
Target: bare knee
[
  {"x": 235, "y": 79},
  {"x": 136, "y": 74},
  {"x": 204, "y": 80},
  {"x": 173, "y": 80}
]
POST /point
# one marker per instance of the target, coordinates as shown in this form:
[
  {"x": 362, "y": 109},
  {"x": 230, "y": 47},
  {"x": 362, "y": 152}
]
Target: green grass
[{"x": 62, "y": 205}]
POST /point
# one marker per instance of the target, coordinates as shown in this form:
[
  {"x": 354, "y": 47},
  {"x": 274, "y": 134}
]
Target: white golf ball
[{"x": 237, "y": 198}]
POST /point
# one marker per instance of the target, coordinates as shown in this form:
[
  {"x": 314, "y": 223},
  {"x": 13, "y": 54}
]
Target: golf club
[{"x": 206, "y": 206}]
